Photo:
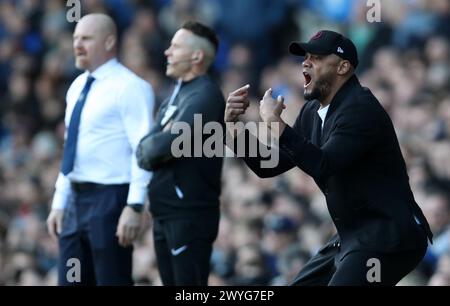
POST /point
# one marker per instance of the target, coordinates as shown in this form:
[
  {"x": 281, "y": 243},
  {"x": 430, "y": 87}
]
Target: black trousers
[
  {"x": 359, "y": 268},
  {"x": 183, "y": 249},
  {"x": 89, "y": 250}
]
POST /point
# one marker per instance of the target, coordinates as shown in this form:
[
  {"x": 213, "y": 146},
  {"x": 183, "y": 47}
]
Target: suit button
[{"x": 325, "y": 191}]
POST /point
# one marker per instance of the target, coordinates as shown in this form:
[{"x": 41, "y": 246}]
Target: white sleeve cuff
[{"x": 136, "y": 194}]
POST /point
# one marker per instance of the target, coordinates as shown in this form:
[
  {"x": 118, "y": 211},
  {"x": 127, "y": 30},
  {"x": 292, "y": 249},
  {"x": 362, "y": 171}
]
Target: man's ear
[
  {"x": 343, "y": 67},
  {"x": 110, "y": 42},
  {"x": 198, "y": 56}
]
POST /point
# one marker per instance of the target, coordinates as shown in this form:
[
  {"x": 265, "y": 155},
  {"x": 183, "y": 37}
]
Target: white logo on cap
[{"x": 340, "y": 50}]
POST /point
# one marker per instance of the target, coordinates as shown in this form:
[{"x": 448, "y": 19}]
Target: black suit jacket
[{"x": 358, "y": 165}]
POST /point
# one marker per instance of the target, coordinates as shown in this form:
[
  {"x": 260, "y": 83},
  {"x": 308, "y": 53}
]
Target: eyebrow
[
  {"x": 315, "y": 55},
  {"x": 82, "y": 35}
]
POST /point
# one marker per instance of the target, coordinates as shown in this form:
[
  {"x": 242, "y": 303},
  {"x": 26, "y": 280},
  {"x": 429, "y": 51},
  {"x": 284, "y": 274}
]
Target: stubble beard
[{"x": 321, "y": 89}]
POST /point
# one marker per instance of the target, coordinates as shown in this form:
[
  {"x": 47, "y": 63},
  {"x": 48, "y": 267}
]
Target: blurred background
[{"x": 269, "y": 227}]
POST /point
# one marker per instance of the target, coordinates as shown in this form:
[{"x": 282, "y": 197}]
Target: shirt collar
[
  {"x": 323, "y": 113},
  {"x": 342, "y": 93},
  {"x": 199, "y": 77},
  {"x": 104, "y": 70},
  {"x": 345, "y": 88}
]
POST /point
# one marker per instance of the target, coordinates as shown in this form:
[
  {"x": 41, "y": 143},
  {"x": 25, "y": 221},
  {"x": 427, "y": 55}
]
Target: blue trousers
[{"x": 89, "y": 250}]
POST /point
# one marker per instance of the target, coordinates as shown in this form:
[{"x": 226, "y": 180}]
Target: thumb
[
  {"x": 268, "y": 93},
  {"x": 119, "y": 229},
  {"x": 280, "y": 99},
  {"x": 51, "y": 229},
  {"x": 59, "y": 225}
]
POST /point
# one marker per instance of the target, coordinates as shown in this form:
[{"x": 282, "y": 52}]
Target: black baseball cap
[{"x": 327, "y": 42}]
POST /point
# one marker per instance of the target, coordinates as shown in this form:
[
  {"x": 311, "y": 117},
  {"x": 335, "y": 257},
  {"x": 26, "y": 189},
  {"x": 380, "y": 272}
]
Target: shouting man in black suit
[{"x": 345, "y": 140}]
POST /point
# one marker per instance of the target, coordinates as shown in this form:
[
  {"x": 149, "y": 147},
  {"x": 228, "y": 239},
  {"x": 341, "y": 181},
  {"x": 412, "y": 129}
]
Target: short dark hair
[{"x": 203, "y": 31}]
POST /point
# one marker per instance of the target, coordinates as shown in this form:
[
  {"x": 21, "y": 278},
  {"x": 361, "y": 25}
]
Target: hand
[
  {"x": 54, "y": 222},
  {"x": 237, "y": 104},
  {"x": 270, "y": 109},
  {"x": 146, "y": 222},
  {"x": 129, "y": 226}
]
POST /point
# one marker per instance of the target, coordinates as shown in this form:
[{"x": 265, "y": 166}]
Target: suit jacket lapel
[
  {"x": 334, "y": 105},
  {"x": 327, "y": 128},
  {"x": 317, "y": 127}
]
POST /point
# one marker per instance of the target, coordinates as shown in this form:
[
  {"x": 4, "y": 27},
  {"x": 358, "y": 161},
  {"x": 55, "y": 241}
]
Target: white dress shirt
[{"x": 115, "y": 117}]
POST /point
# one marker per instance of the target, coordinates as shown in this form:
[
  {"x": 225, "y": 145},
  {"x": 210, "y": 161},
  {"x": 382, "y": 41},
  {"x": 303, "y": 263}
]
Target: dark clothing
[
  {"x": 186, "y": 188},
  {"x": 323, "y": 270},
  {"x": 183, "y": 249},
  {"x": 356, "y": 268},
  {"x": 89, "y": 235},
  {"x": 186, "y": 185},
  {"x": 319, "y": 270},
  {"x": 357, "y": 163}
]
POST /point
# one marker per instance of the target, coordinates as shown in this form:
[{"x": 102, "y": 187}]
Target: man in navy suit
[
  {"x": 97, "y": 208},
  {"x": 345, "y": 140}
]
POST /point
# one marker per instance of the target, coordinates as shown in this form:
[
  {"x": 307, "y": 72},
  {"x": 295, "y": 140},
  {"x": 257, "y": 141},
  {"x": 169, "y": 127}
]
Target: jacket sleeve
[
  {"x": 356, "y": 132},
  {"x": 279, "y": 162},
  {"x": 155, "y": 149}
]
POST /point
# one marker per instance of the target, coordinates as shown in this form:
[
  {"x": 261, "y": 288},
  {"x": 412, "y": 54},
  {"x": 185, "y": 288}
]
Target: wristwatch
[{"x": 137, "y": 207}]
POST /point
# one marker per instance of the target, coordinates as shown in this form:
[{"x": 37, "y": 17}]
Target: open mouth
[{"x": 308, "y": 79}]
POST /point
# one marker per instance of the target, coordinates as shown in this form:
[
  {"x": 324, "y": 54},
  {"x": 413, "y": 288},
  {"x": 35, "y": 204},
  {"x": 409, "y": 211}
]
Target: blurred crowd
[{"x": 269, "y": 228}]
